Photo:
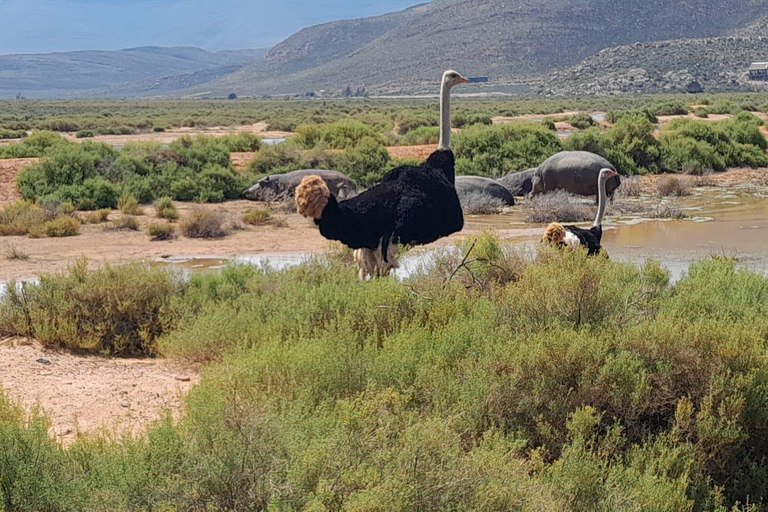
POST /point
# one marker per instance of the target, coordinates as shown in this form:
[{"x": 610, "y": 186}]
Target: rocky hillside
[
  {"x": 501, "y": 38},
  {"x": 71, "y": 74},
  {"x": 718, "y": 64}
]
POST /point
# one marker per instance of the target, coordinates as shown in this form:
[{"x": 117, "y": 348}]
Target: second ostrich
[
  {"x": 413, "y": 205},
  {"x": 574, "y": 237}
]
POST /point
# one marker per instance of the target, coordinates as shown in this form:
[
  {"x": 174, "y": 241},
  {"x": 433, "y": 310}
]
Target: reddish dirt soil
[
  {"x": 90, "y": 393},
  {"x": 421, "y": 152},
  {"x": 171, "y": 135},
  {"x": 9, "y": 169}
]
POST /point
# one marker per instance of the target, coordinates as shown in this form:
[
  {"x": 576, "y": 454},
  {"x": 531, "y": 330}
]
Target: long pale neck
[
  {"x": 601, "y": 202},
  {"x": 445, "y": 117}
]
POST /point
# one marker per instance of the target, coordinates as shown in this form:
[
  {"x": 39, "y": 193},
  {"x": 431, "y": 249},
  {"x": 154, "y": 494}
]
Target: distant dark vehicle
[{"x": 232, "y": 96}]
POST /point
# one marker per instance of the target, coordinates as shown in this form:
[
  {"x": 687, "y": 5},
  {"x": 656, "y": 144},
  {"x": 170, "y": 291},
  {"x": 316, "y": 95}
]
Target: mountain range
[{"x": 513, "y": 41}]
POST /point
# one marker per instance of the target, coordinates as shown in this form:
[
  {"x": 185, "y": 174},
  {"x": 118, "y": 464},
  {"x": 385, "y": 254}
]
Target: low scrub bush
[
  {"x": 257, "y": 217},
  {"x": 204, "y": 223},
  {"x": 464, "y": 120},
  {"x": 161, "y": 231},
  {"x": 480, "y": 203},
  {"x": 165, "y": 209},
  {"x": 672, "y": 108},
  {"x": 672, "y": 186},
  {"x": 558, "y": 206},
  {"x": 553, "y": 381},
  {"x": 119, "y": 310},
  {"x": 20, "y": 218},
  {"x": 128, "y": 205},
  {"x": 581, "y": 121},
  {"x": 422, "y": 135},
  {"x": 241, "y": 142},
  {"x": 125, "y": 223},
  {"x": 13, "y": 252},
  {"x": 701, "y": 112},
  {"x": 84, "y": 134},
  {"x": 61, "y": 227},
  {"x": 97, "y": 217}
]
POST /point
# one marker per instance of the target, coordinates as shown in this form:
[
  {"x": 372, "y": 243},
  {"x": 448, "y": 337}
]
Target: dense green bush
[
  {"x": 277, "y": 158},
  {"x": 93, "y": 175},
  {"x": 614, "y": 115},
  {"x": 119, "y": 310},
  {"x": 36, "y": 145},
  {"x": 672, "y": 108},
  {"x": 609, "y": 390},
  {"x": 422, "y": 135},
  {"x": 366, "y": 162},
  {"x": 463, "y": 120},
  {"x": 581, "y": 121},
  {"x": 496, "y": 150},
  {"x": 84, "y": 134},
  {"x": 344, "y": 134},
  {"x": 410, "y": 122}
]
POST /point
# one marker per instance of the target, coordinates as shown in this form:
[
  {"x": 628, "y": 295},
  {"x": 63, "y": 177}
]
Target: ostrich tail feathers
[
  {"x": 312, "y": 197},
  {"x": 554, "y": 234}
]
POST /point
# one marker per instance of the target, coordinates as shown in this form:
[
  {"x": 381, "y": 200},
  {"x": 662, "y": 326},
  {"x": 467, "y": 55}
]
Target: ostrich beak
[{"x": 476, "y": 79}]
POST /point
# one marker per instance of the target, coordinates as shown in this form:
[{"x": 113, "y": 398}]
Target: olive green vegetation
[
  {"x": 94, "y": 175},
  {"x": 37, "y": 220},
  {"x": 508, "y": 389}
]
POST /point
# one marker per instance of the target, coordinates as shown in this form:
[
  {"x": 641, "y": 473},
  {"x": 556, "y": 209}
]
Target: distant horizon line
[{"x": 140, "y": 47}]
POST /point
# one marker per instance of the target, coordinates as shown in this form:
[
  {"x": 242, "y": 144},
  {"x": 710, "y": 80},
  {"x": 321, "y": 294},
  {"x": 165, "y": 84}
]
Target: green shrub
[
  {"x": 119, "y": 310},
  {"x": 724, "y": 107},
  {"x": 128, "y": 205},
  {"x": 422, "y": 135},
  {"x": 614, "y": 115},
  {"x": 365, "y": 163},
  {"x": 165, "y": 209},
  {"x": 242, "y": 142},
  {"x": 672, "y": 108},
  {"x": 36, "y": 145},
  {"x": 690, "y": 156},
  {"x": 257, "y": 217},
  {"x": 463, "y": 120},
  {"x": 409, "y": 123},
  {"x": 344, "y": 134},
  {"x": 701, "y": 112},
  {"x": 203, "y": 223},
  {"x": 84, "y": 134},
  {"x": 495, "y": 150},
  {"x": 161, "y": 231},
  {"x": 61, "y": 227},
  {"x": 581, "y": 121},
  {"x": 12, "y": 134},
  {"x": 277, "y": 158}
]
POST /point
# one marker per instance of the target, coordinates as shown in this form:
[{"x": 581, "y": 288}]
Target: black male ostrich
[
  {"x": 574, "y": 237},
  {"x": 413, "y": 205}
]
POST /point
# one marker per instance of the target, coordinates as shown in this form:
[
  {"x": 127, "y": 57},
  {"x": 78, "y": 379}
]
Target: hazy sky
[{"x": 31, "y": 26}]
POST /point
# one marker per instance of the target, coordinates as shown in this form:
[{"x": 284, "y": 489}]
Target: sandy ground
[
  {"x": 101, "y": 245},
  {"x": 171, "y": 135},
  {"x": 89, "y": 393}
]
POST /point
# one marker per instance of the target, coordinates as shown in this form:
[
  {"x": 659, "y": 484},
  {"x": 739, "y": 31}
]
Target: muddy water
[{"x": 722, "y": 221}]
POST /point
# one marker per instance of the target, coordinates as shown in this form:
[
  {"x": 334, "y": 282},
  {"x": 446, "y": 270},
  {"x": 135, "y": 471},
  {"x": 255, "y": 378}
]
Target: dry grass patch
[
  {"x": 12, "y": 251},
  {"x": 125, "y": 223},
  {"x": 673, "y": 186},
  {"x": 20, "y": 218},
  {"x": 204, "y": 223},
  {"x": 558, "y": 206},
  {"x": 479, "y": 203},
  {"x": 631, "y": 186},
  {"x": 257, "y": 217}
]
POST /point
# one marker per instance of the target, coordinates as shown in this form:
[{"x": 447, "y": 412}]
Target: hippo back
[
  {"x": 466, "y": 185},
  {"x": 518, "y": 183},
  {"x": 575, "y": 172}
]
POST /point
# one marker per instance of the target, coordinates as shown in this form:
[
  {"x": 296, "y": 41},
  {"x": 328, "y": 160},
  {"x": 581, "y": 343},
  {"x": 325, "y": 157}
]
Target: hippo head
[{"x": 264, "y": 190}]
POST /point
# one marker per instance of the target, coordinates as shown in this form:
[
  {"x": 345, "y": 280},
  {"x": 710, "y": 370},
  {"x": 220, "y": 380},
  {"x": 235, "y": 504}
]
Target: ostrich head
[
  {"x": 452, "y": 78},
  {"x": 606, "y": 174}
]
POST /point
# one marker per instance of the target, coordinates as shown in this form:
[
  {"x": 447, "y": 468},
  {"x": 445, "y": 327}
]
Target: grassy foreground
[{"x": 553, "y": 383}]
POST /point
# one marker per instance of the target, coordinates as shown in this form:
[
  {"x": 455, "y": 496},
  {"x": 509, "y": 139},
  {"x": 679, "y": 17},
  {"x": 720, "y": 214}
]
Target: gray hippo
[
  {"x": 279, "y": 187},
  {"x": 575, "y": 172},
  {"x": 519, "y": 183},
  {"x": 466, "y": 185}
]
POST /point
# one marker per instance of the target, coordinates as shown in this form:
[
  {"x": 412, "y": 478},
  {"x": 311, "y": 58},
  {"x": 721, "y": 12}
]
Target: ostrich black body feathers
[{"x": 413, "y": 205}]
